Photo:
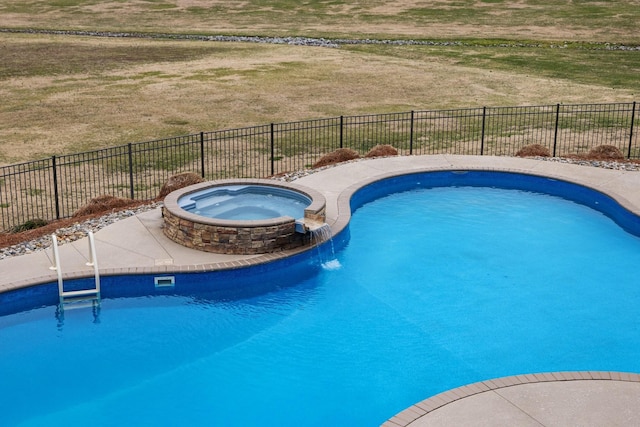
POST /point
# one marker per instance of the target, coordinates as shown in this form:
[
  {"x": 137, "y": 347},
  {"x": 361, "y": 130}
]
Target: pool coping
[
  {"x": 418, "y": 414},
  {"x": 337, "y": 184},
  {"x": 344, "y": 198}
]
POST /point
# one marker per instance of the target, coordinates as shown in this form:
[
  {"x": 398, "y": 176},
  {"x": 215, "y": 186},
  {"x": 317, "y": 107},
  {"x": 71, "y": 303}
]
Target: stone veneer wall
[
  {"x": 245, "y": 240},
  {"x": 318, "y": 217}
]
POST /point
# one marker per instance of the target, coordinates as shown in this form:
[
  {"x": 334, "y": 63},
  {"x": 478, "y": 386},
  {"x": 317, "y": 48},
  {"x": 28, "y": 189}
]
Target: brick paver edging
[{"x": 420, "y": 409}]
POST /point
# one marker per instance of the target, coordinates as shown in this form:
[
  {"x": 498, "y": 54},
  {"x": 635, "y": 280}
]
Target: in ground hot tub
[{"x": 243, "y": 216}]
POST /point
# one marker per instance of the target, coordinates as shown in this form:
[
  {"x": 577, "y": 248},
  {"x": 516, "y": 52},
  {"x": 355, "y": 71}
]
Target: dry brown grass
[
  {"x": 533, "y": 150},
  {"x": 63, "y": 94},
  {"x": 338, "y": 156},
  {"x": 227, "y": 85},
  {"x": 410, "y": 18}
]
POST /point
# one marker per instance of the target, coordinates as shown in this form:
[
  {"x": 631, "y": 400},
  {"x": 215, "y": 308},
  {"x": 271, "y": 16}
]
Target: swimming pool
[{"x": 378, "y": 335}]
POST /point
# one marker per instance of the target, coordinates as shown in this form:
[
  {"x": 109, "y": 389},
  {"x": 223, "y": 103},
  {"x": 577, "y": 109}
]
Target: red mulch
[{"x": 338, "y": 156}]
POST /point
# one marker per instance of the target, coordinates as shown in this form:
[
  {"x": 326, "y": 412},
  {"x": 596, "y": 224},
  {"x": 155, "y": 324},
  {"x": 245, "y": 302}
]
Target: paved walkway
[
  {"x": 136, "y": 245},
  {"x": 559, "y": 399}
]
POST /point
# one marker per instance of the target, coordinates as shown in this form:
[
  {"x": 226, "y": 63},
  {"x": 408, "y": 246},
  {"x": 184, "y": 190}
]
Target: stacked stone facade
[
  {"x": 240, "y": 240},
  {"x": 240, "y": 237}
]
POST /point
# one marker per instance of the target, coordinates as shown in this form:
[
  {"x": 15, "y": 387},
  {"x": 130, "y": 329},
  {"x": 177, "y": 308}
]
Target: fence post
[
  {"x": 555, "y": 133},
  {"x": 131, "y": 195},
  {"x": 273, "y": 152},
  {"x": 411, "y": 135},
  {"x": 202, "y": 154},
  {"x": 633, "y": 117},
  {"x": 55, "y": 186},
  {"x": 484, "y": 117},
  {"x": 341, "y": 130}
]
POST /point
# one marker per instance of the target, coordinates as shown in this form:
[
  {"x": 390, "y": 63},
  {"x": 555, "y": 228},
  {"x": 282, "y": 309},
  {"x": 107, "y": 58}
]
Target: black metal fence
[{"x": 56, "y": 187}]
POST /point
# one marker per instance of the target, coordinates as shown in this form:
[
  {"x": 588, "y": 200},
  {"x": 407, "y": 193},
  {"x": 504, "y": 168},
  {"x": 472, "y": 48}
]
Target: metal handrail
[
  {"x": 81, "y": 294},
  {"x": 93, "y": 261},
  {"x": 56, "y": 265}
]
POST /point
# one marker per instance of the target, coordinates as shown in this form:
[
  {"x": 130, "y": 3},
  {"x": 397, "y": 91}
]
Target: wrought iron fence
[{"x": 56, "y": 187}]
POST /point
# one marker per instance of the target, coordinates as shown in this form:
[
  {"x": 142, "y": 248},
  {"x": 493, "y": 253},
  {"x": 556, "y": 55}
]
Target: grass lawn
[{"x": 66, "y": 94}]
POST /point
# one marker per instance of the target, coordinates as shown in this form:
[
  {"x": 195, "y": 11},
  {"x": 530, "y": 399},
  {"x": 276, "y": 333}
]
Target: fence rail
[{"x": 56, "y": 187}]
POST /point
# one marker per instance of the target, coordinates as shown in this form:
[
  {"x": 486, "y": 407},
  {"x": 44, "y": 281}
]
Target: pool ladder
[{"x": 83, "y": 297}]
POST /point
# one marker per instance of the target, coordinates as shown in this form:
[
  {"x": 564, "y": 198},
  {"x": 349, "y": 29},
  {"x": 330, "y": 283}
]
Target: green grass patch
[
  {"x": 51, "y": 58},
  {"x": 582, "y": 63},
  {"x": 163, "y": 6},
  {"x": 154, "y": 74},
  {"x": 168, "y": 158},
  {"x": 176, "y": 122},
  {"x": 34, "y": 192},
  {"x": 68, "y": 3},
  {"x": 576, "y": 15},
  {"x": 30, "y": 224}
]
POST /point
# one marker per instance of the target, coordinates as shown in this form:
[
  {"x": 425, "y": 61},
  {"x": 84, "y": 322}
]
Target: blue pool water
[{"x": 435, "y": 288}]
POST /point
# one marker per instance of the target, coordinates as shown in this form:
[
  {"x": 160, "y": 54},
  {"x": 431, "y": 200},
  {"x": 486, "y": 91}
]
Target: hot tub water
[{"x": 245, "y": 202}]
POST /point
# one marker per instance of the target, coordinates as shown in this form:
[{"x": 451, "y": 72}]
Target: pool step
[
  {"x": 76, "y": 303},
  {"x": 82, "y": 297}
]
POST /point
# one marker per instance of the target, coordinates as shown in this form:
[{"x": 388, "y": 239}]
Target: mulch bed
[{"x": 10, "y": 239}]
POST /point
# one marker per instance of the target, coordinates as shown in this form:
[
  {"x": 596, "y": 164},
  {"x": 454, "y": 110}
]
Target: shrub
[
  {"x": 533, "y": 150},
  {"x": 338, "y": 156},
  {"x": 30, "y": 224},
  {"x": 102, "y": 204},
  {"x": 382, "y": 151},
  {"x": 606, "y": 152},
  {"x": 179, "y": 181}
]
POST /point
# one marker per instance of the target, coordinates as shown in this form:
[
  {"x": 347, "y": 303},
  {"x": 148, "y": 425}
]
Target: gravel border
[{"x": 312, "y": 41}]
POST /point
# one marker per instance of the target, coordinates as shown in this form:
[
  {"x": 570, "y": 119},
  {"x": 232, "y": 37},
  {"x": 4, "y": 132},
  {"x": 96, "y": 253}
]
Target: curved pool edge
[
  {"x": 337, "y": 184},
  {"x": 563, "y": 397},
  {"x": 345, "y": 198}
]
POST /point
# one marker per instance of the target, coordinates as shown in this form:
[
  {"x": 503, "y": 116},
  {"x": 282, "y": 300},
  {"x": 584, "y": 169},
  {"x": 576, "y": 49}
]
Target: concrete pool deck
[{"x": 137, "y": 245}]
